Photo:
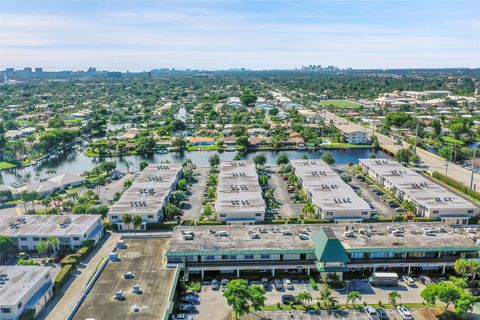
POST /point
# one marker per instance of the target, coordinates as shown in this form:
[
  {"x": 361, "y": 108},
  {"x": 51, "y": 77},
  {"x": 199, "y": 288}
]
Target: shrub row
[
  {"x": 63, "y": 276},
  {"x": 28, "y": 315},
  {"x": 457, "y": 185},
  {"x": 168, "y": 225},
  {"x": 312, "y": 220},
  {"x": 208, "y": 223},
  {"x": 423, "y": 219}
]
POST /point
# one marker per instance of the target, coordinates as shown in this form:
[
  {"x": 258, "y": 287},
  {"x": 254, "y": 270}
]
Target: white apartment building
[
  {"x": 353, "y": 135},
  {"x": 71, "y": 230},
  {"x": 430, "y": 199},
  {"x": 239, "y": 195},
  {"x": 332, "y": 197},
  {"x": 148, "y": 194},
  {"x": 23, "y": 288}
]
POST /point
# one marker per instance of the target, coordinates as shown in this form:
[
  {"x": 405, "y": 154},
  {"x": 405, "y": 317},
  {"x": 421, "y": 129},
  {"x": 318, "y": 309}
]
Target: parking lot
[
  {"x": 214, "y": 306},
  {"x": 145, "y": 259},
  {"x": 193, "y": 205},
  {"x": 287, "y": 208}
]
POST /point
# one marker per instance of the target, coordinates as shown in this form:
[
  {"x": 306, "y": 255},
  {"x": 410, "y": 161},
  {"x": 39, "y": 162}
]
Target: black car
[
  {"x": 287, "y": 298},
  {"x": 382, "y": 314},
  {"x": 393, "y": 204}
]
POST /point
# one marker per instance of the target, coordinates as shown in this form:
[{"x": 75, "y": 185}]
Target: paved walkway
[
  {"x": 64, "y": 301},
  {"x": 430, "y": 160}
]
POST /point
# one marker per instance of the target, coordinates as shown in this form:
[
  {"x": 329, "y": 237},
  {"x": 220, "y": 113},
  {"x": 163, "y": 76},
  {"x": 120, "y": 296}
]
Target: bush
[
  {"x": 62, "y": 276},
  {"x": 279, "y": 221},
  {"x": 83, "y": 252},
  {"x": 423, "y": 219},
  {"x": 312, "y": 220},
  {"x": 168, "y": 225},
  {"x": 28, "y": 314},
  {"x": 313, "y": 283},
  {"x": 209, "y": 223},
  {"x": 71, "y": 259},
  {"x": 457, "y": 185},
  {"x": 193, "y": 286}
]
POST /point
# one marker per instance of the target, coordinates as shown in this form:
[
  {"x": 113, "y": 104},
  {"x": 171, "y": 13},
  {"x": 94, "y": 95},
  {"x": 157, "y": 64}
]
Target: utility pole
[
  {"x": 473, "y": 167},
  {"x": 416, "y": 135}
]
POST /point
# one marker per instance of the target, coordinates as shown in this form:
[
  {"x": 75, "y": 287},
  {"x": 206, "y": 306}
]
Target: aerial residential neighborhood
[{"x": 239, "y": 160}]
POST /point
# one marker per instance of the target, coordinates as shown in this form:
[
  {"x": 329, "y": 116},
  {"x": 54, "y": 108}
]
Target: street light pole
[
  {"x": 473, "y": 167},
  {"x": 416, "y": 135}
]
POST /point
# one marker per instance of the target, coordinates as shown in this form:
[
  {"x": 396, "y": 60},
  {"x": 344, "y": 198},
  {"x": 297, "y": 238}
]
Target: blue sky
[{"x": 141, "y": 35}]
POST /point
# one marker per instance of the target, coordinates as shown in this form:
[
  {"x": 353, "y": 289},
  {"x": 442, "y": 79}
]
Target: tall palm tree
[
  {"x": 309, "y": 209},
  {"x": 393, "y": 297},
  {"x": 137, "y": 222},
  {"x": 24, "y": 197},
  {"x": 128, "y": 163},
  {"x": 353, "y": 296},
  {"x": 327, "y": 300},
  {"x": 127, "y": 219}
]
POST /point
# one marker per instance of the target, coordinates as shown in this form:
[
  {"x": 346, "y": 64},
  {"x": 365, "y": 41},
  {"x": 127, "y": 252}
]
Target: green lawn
[
  {"x": 338, "y": 103},
  {"x": 6, "y": 165},
  {"x": 344, "y": 145}
]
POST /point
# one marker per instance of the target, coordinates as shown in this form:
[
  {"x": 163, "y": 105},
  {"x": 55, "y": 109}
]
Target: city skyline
[{"x": 212, "y": 35}]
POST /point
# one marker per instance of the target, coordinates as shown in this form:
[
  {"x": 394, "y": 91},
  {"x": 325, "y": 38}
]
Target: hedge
[
  {"x": 71, "y": 259},
  {"x": 63, "y": 276},
  {"x": 457, "y": 185},
  {"x": 28, "y": 315},
  {"x": 209, "y": 223},
  {"x": 169, "y": 225},
  {"x": 312, "y": 220},
  {"x": 422, "y": 219},
  {"x": 83, "y": 252}
]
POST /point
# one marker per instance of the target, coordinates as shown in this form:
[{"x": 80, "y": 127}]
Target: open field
[{"x": 338, "y": 103}]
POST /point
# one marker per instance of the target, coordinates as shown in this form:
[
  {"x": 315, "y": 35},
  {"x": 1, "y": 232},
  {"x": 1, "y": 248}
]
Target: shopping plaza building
[{"x": 324, "y": 248}]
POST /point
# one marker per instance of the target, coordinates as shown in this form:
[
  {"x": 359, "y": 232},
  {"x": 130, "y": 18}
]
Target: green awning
[{"x": 328, "y": 248}]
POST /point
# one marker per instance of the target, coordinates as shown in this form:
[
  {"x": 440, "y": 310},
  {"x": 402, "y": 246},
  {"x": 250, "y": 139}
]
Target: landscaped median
[{"x": 456, "y": 185}]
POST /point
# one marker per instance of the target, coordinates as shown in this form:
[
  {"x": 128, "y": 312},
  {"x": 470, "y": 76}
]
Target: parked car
[
  {"x": 372, "y": 313},
  {"x": 393, "y": 204},
  {"x": 182, "y": 316},
  {"x": 265, "y": 283},
  {"x": 382, "y": 314},
  {"x": 287, "y": 298},
  {"x": 278, "y": 284},
  {"x": 214, "y": 284},
  {"x": 425, "y": 280},
  {"x": 287, "y": 284},
  {"x": 404, "y": 313},
  {"x": 408, "y": 280},
  {"x": 399, "y": 210},
  {"x": 187, "y": 307},
  {"x": 190, "y": 299},
  {"x": 223, "y": 284}
]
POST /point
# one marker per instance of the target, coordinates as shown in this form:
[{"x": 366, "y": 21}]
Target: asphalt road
[
  {"x": 286, "y": 207},
  {"x": 193, "y": 205},
  {"x": 431, "y": 161}
]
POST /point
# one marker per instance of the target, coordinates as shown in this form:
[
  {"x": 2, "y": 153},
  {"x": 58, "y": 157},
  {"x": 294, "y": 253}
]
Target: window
[
  {"x": 248, "y": 257},
  {"x": 150, "y": 216},
  {"x": 435, "y": 211},
  {"x": 19, "y": 305},
  {"x": 470, "y": 211},
  {"x": 210, "y": 258},
  {"x": 364, "y": 213},
  {"x": 115, "y": 217},
  {"x": 265, "y": 256},
  {"x": 36, "y": 239},
  {"x": 76, "y": 238},
  {"x": 380, "y": 255},
  {"x": 223, "y": 215},
  {"x": 358, "y": 255},
  {"x": 329, "y": 213},
  {"x": 258, "y": 214},
  {"x": 23, "y": 239},
  {"x": 6, "y": 310}
]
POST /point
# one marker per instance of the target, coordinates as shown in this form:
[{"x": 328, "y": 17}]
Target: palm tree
[
  {"x": 326, "y": 299},
  {"x": 292, "y": 179},
  {"x": 127, "y": 219},
  {"x": 353, "y": 296},
  {"x": 309, "y": 209},
  {"x": 409, "y": 206},
  {"x": 304, "y": 297},
  {"x": 137, "y": 222},
  {"x": 393, "y": 297},
  {"x": 24, "y": 197}
]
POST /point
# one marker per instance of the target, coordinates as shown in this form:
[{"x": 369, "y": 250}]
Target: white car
[
  {"x": 372, "y": 313},
  {"x": 405, "y": 313},
  {"x": 287, "y": 284},
  {"x": 214, "y": 284},
  {"x": 408, "y": 280},
  {"x": 224, "y": 284}
]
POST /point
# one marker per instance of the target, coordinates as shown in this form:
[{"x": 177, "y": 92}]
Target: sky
[{"x": 256, "y": 34}]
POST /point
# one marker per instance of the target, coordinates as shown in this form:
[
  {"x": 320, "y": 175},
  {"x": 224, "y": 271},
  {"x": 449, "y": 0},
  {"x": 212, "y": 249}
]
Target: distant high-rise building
[
  {"x": 27, "y": 70},
  {"x": 38, "y": 70}
]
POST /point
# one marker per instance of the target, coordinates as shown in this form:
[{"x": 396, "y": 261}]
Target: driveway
[
  {"x": 193, "y": 205},
  {"x": 107, "y": 192},
  {"x": 286, "y": 207}
]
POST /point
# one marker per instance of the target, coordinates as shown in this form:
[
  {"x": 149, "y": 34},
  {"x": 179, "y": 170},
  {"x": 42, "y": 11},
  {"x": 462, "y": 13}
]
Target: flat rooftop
[
  {"x": 239, "y": 237},
  {"x": 20, "y": 280},
  {"x": 427, "y": 193},
  {"x": 149, "y": 191},
  {"x": 47, "y": 225},
  {"x": 238, "y": 189},
  {"x": 328, "y": 190},
  {"x": 145, "y": 258}
]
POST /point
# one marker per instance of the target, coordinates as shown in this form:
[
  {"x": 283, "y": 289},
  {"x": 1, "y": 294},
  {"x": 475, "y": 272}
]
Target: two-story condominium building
[
  {"x": 353, "y": 134},
  {"x": 239, "y": 196},
  {"x": 23, "y": 288},
  {"x": 332, "y": 197},
  {"x": 148, "y": 194},
  {"x": 71, "y": 230},
  {"x": 323, "y": 248},
  {"x": 431, "y": 200}
]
